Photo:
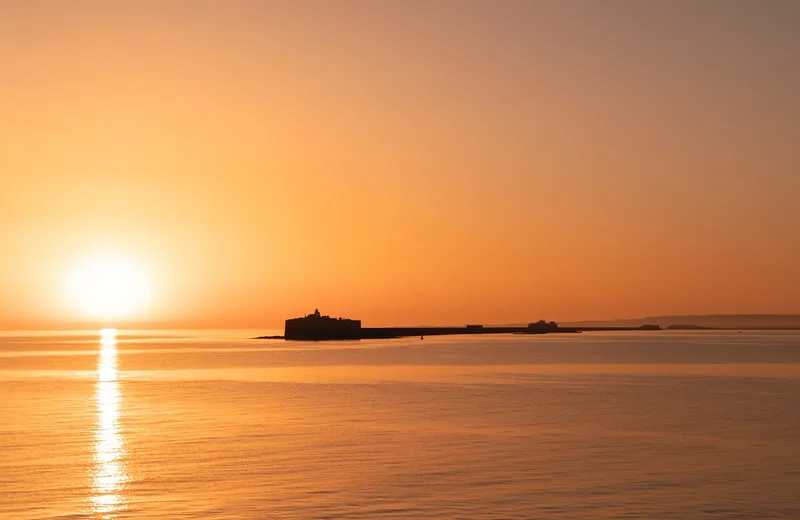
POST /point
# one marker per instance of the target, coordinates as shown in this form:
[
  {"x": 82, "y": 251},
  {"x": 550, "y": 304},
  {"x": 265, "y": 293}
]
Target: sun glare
[{"x": 108, "y": 286}]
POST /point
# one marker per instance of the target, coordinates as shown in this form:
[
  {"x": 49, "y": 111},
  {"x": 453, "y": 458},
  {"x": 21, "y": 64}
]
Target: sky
[{"x": 404, "y": 163}]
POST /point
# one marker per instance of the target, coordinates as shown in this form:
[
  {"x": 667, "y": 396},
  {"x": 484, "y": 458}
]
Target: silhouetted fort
[{"x": 316, "y": 327}]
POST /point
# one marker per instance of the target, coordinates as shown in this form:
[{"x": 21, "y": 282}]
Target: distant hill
[{"x": 716, "y": 321}]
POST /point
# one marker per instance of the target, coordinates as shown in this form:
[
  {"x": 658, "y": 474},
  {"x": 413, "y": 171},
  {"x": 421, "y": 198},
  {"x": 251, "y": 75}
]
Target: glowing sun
[{"x": 108, "y": 286}]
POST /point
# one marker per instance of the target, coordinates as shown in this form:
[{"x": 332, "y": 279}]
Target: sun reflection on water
[{"x": 108, "y": 474}]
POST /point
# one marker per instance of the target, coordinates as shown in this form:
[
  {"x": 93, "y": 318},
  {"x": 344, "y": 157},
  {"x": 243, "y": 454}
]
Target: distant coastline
[{"x": 705, "y": 322}]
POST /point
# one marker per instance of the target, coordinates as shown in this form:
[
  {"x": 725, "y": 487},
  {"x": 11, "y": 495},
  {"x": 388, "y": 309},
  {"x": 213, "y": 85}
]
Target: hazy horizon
[{"x": 719, "y": 321}]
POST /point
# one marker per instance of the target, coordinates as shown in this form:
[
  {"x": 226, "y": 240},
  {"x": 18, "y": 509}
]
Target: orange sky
[{"x": 413, "y": 163}]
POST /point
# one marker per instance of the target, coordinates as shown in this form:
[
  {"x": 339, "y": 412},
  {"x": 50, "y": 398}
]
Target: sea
[{"x": 216, "y": 425}]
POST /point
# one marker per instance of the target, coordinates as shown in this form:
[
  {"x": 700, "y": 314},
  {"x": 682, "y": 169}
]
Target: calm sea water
[{"x": 215, "y": 425}]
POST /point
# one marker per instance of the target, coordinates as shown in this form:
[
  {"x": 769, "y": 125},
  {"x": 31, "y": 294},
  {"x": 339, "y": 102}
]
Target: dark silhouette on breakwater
[{"x": 316, "y": 327}]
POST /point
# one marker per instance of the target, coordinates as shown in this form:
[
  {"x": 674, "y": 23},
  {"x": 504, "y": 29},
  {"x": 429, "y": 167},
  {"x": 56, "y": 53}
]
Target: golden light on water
[{"x": 108, "y": 473}]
